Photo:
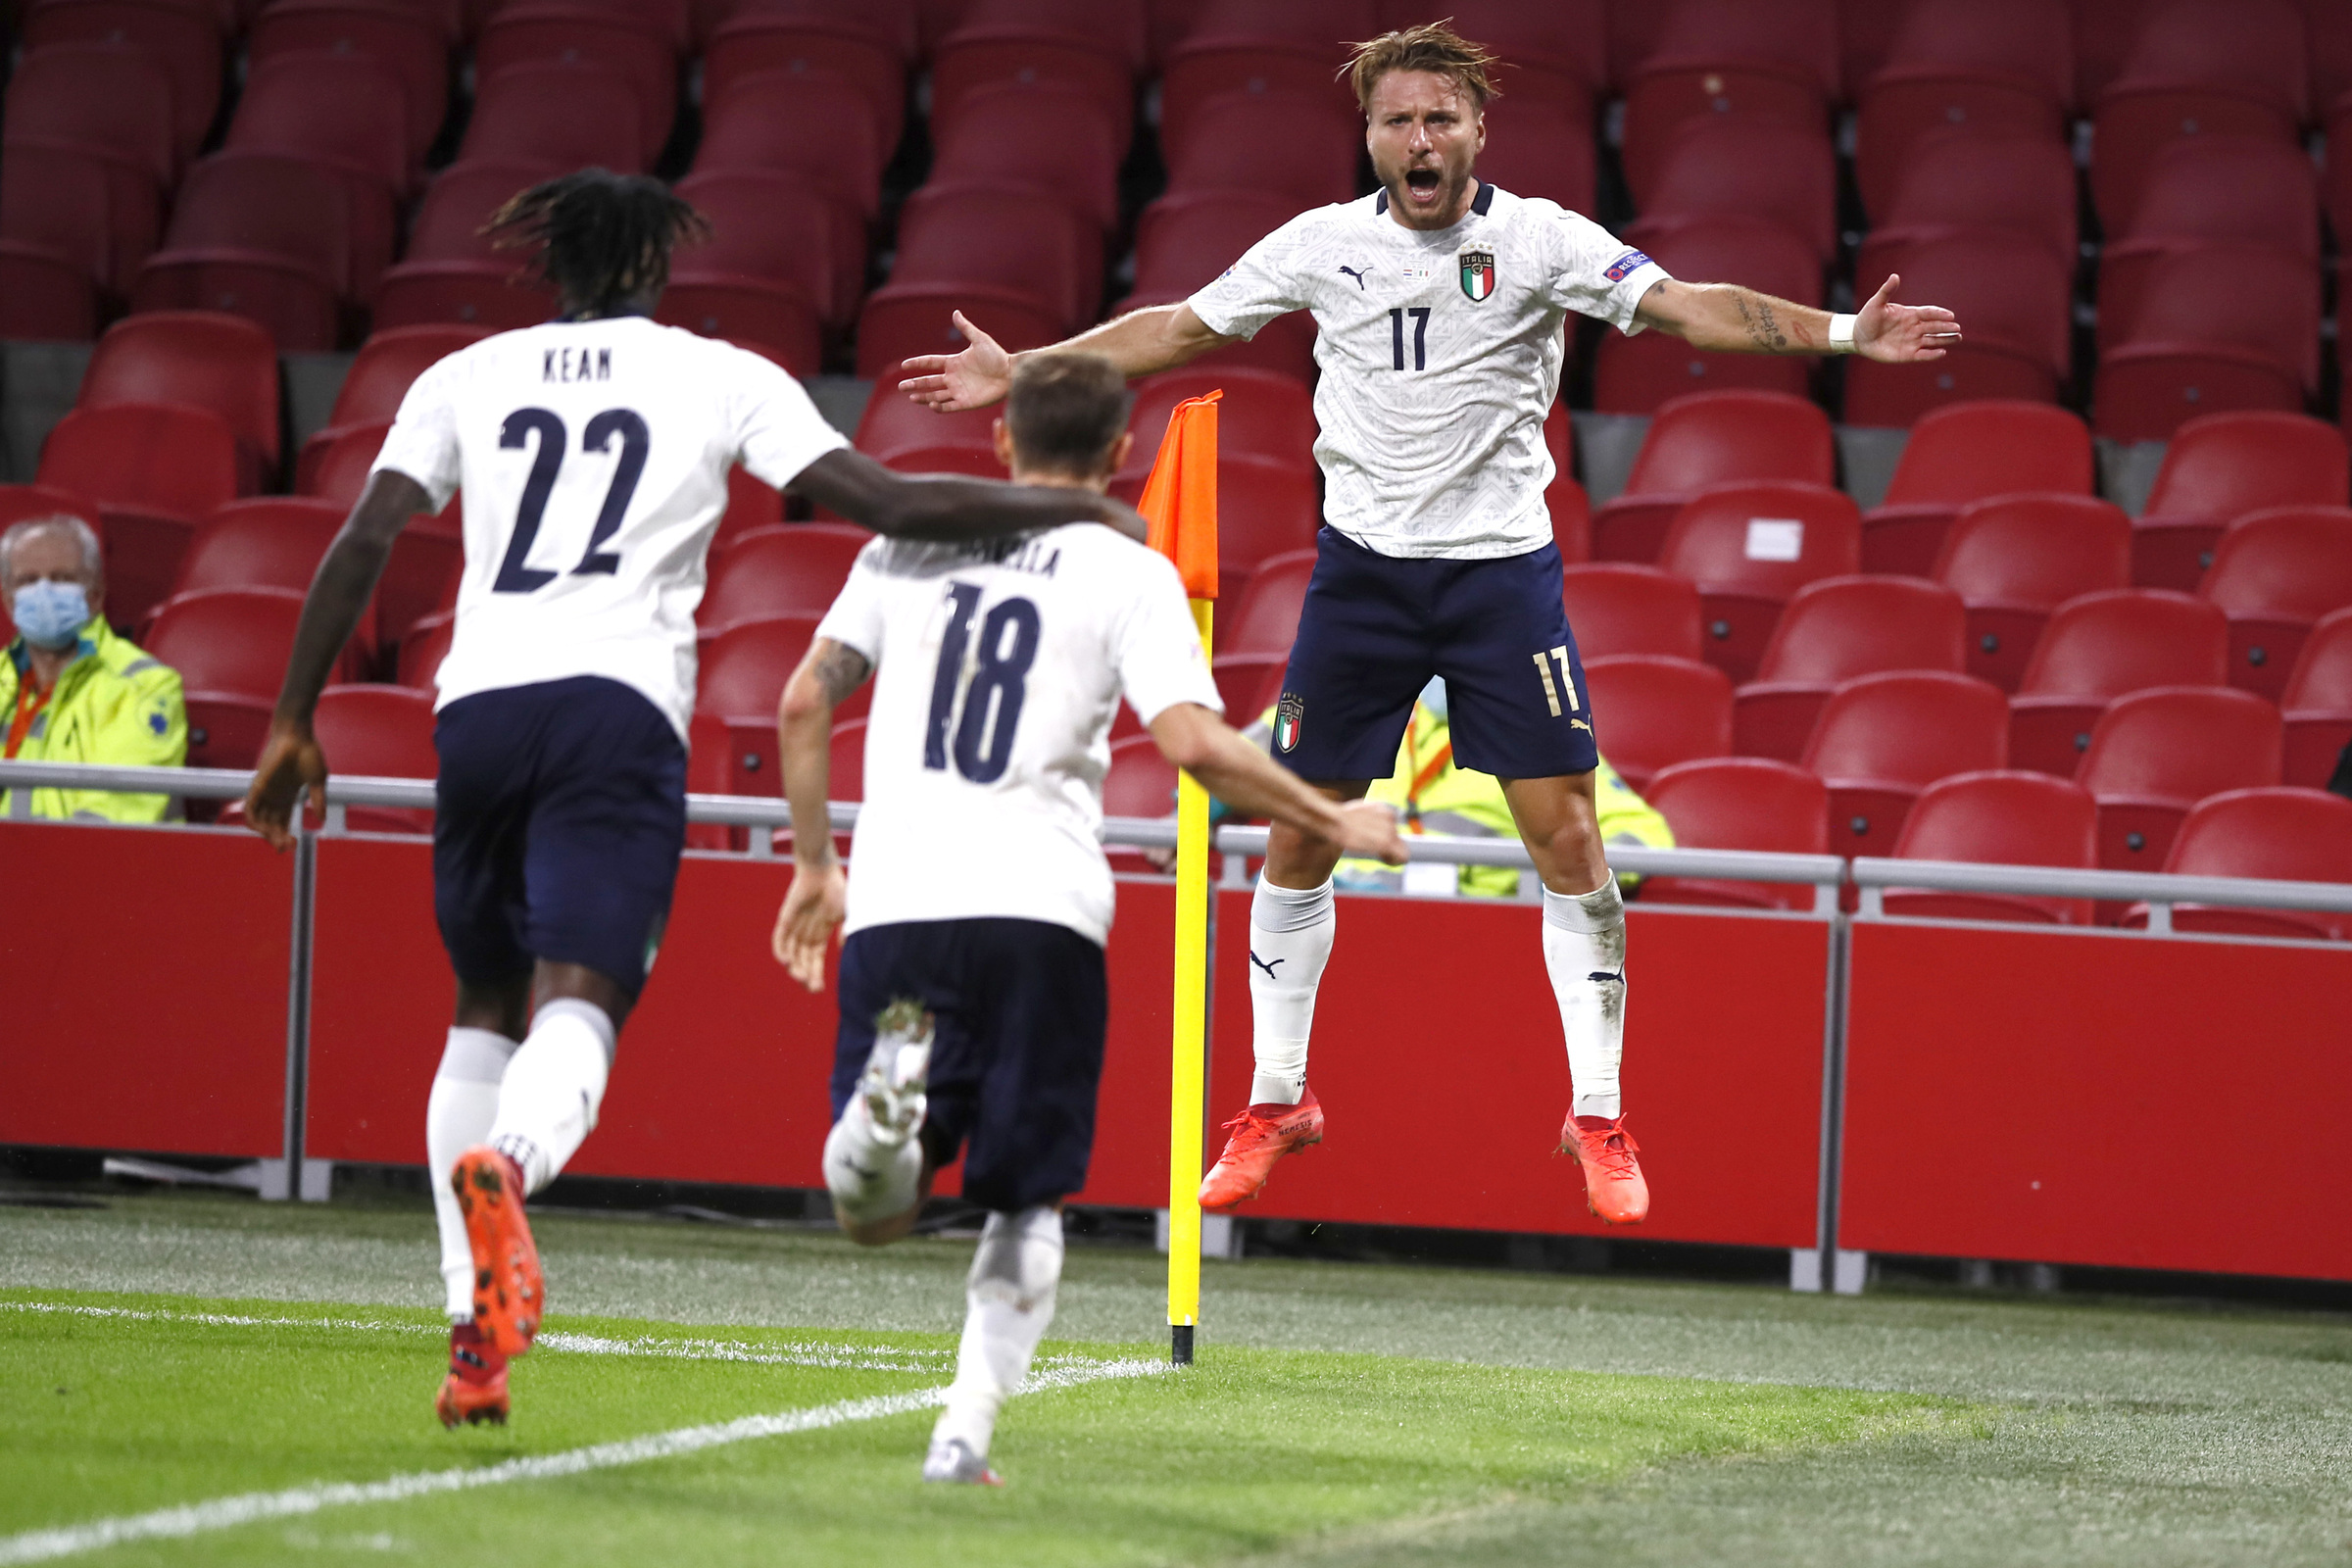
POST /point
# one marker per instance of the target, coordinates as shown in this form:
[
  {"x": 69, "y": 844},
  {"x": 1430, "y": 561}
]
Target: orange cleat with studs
[
  {"x": 1614, "y": 1188},
  {"x": 508, "y": 1294},
  {"x": 1261, "y": 1134},
  {"x": 475, "y": 1388}
]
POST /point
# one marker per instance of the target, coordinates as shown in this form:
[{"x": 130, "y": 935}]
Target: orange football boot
[
  {"x": 509, "y": 1296},
  {"x": 1261, "y": 1134},
  {"x": 1613, "y": 1186},
  {"x": 475, "y": 1388}
]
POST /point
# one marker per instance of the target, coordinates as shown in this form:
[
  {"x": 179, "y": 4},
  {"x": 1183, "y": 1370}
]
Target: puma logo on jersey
[
  {"x": 1358, "y": 274},
  {"x": 1266, "y": 965},
  {"x": 575, "y": 365}
]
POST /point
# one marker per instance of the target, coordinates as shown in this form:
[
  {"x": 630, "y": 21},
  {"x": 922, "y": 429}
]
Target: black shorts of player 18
[
  {"x": 1375, "y": 628},
  {"x": 1020, "y": 1010}
]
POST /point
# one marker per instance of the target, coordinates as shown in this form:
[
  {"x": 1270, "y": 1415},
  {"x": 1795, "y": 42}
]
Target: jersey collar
[{"x": 1479, "y": 204}]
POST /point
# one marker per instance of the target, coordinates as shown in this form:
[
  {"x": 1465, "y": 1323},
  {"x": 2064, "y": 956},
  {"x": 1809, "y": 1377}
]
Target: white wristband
[{"x": 1842, "y": 335}]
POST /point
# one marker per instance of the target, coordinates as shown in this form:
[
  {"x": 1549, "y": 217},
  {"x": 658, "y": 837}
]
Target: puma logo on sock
[
  {"x": 1267, "y": 965},
  {"x": 1604, "y": 974}
]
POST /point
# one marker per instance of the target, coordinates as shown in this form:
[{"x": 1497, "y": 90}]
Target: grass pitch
[{"x": 179, "y": 1351}]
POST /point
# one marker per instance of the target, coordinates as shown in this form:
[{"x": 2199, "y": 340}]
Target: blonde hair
[{"x": 1432, "y": 46}]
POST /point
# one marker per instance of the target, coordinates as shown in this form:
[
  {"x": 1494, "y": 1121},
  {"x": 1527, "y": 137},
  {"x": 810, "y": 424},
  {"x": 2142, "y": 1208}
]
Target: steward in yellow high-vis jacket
[{"x": 72, "y": 691}]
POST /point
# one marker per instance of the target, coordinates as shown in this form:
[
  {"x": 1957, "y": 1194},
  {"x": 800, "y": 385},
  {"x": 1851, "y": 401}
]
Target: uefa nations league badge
[
  {"x": 1289, "y": 714},
  {"x": 1478, "y": 274}
]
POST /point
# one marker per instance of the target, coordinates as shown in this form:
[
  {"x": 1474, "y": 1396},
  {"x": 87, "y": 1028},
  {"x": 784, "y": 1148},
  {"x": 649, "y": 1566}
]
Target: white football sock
[
  {"x": 1009, "y": 1301},
  {"x": 871, "y": 1175},
  {"x": 1583, "y": 952},
  {"x": 1290, "y": 941},
  {"x": 548, "y": 1101},
  {"x": 458, "y": 1116}
]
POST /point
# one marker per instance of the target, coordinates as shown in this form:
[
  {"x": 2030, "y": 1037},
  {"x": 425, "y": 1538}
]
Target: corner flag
[{"x": 1180, "y": 502}]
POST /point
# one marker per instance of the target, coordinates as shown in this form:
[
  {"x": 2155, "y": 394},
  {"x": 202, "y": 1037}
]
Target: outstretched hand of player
[
  {"x": 1902, "y": 334},
  {"x": 1368, "y": 828},
  {"x": 813, "y": 907},
  {"x": 973, "y": 378},
  {"x": 291, "y": 760}
]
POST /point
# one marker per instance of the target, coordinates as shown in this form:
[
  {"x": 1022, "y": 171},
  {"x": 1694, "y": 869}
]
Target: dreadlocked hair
[{"x": 600, "y": 238}]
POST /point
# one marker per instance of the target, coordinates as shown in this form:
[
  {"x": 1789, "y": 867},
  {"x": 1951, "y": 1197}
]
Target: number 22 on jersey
[
  {"x": 992, "y": 678},
  {"x": 513, "y": 576}
]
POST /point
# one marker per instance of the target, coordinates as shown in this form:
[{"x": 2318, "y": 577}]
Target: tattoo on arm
[
  {"x": 1763, "y": 329},
  {"x": 840, "y": 671}
]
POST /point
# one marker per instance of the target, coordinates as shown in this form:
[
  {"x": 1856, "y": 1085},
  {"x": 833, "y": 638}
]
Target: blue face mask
[{"x": 51, "y": 614}]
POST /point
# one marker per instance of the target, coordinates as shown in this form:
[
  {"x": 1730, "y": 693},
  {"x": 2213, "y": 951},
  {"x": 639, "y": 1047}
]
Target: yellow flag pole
[{"x": 1188, "y": 1081}]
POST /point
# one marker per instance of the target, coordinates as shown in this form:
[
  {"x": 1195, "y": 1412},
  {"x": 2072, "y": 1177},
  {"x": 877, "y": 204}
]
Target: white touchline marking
[{"x": 225, "y": 1513}]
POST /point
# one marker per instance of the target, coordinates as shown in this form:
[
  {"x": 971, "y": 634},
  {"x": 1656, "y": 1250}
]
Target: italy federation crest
[
  {"x": 1289, "y": 714},
  {"x": 1478, "y": 274}
]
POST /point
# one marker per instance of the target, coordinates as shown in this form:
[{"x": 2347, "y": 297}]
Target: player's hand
[
  {"x": 1367, "y": 828},
  {"x": 813, "y": 911},
  {"x": 290, "y": 760},
  {"x": 951, "y": 383},
  {"x": 1902, "y": 334}
]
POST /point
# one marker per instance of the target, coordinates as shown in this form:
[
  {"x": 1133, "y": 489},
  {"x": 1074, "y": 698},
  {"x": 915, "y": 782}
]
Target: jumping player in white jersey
[
  {"x": 972, "y": 989},
  {"x": 593, "y": 452},
  {"x": 1440, "y": 302}
]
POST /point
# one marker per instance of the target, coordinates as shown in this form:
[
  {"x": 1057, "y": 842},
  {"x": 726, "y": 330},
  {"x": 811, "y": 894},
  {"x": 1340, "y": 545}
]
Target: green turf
[{"x": 1546, "y": 1418}]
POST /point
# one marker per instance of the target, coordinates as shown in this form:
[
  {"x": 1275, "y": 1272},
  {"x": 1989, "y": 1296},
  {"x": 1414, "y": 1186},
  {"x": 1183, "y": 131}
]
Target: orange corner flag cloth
[{"x": 1180, "y": 499}]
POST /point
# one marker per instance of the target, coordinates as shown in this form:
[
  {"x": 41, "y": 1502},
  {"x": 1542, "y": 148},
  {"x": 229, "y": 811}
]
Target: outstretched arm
[
  {"x": 1731, "y": 319},
  {"x": 817, "y": 898},
  {"x": 946, "y": 506},
  {"x": 1234, "y": 770},
  {"x": 338, "y": 597},
  {"x": 1158, "y": 337}
]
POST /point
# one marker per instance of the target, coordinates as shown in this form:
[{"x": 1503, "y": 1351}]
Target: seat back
[
  {"x": 1011, "y": 237},
  {"x": 2035, "y": 551},
  {"x": 1621, "y": 607},
  {"x": 204, "y": 360},
  {"x": 1263, "y": 413},
  {"x": 185, "y": 41},
  {"x": 2220, "y": 466},
  {"x": 1540, "y": 149},
  {"x": 1835, "y": 628},
  {"x": 893, "y": 423},
  {"x": 342, "y": 109},
  {"x": 794, "y": 568},
  {"x": 1140, "y": 782},
  {"x": 1764, "y": 539},
  {"x": 387, "y": 364},
  {"x": 162, "y": 456},
  {"x": 1723, "y": 166},
  {"x": 1266, "y": 509},
  {"x": 457, "y": 205},
  {"x": 548, "y": 32},
  {"x": 2291, "y": 564},
  {"x": 2287, "y": 834},
  {"x": 1062, "y": 138},
  {"x": 2000, "y": 818},
  {"x": 1909, "y": 728},
  {"x": 264, "y": 542},
  {"x": 287, "y": 206},
  {"x": 2103, "y": 644},
  {"x": 1963, "y": 177},
  {"x": 231, "y": 642},
  {"x": 1970, "y": 451},
  {"x": 94, "y": 207},
  {"x": 1739, "y": 803},
  {"x": 2321, "y": 679},
  {"x": 1652, "y": 711},
  {"x": 2230, "y": 188},
  {"x": 2178, "y": 744},
  {"x": 1715, "y": 437},
  {"x": 113, "y": 96},
  {"x": 1265, "y": 618},
  {"x": 1299, "y": 146},
  {"x": 759, "y": 122},
  {"x": 412, "y": 44},
  {"x": 1639, "y": 375},
  {"x": 743, "y": 667},
  {"x": 571, "y": 114},
  {"x": 1186, "y": 238},
  {"x": 377, "y": 731},
  {"x": 340, "y": 468},
  {"x": 2256, "y": 300},
  {"x": 844, "y": 769}
]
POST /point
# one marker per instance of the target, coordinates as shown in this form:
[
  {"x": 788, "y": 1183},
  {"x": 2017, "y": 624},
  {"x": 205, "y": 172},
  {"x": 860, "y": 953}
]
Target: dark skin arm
[
  {"x": 338, "y": 597},
  {"x": 945, "y": 506}
]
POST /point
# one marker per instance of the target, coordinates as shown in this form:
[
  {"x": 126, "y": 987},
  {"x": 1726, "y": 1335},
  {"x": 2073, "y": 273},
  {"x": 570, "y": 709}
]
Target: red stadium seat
[
  {"x": 1249, "y": 685},
  {"x": 423, "y": 647},
  {"x": 794, "y": 569},
  {"x": 1120, "y": 28},
  {"x": 1882, "y": 739},
  {"x": 571, "y": 115},
  {"x": 894, "y": 422},
  {"x": 2277, "y": 572},
  {"x": 1966, "y": 179},
  {"x": 1051, "y": 138},
  {"x": 2337, "y": 177},
  {"x": 1140, "y": 782},
  {"x": 751, "y": 506},
  {"x": 978, "y": 69},
  {"x": 819, "y": 252},
  {"x": 1739, "y": 803},
  {"x": 1571, "y": 518},
  {"x": 1657, "y": 711},
  {"x": 1265, "y": 614},
  {"x": 2218, "y": 326},
  {"x": 742, "y": 678},
  {"x": 774, "y": 319},
  {"x": 711, "y": 770},
  {"x": 407, "y": 41},
  {"x": 2226, "y": 191},
  {"x": 760, "y": 123},
  {"x": 1211, "y": 65},
  {"x": 996, "y": 240},
  {"x": 271, "y": 542},
  {"x": 1775, "y": 60},
  {"x": 378, "y": 732},
  {"x": 540, "y": 32},
  {"x": 2014, "y": 300},
  {"x": 1262, "y": 415},
  {"x": 344, "y": 110},
  {"x": 1749, "y": 547},
  {"x": 2019, "y": 40},
  {"x": 2154, "y": 754},
  {"x": 1300, "y": 148},
  {"x": 1964, "y": 452},
  {"x": 2197, "y": 69},
  {"x": 46, "y": 295},
  {"x": 1636, "y": 375},
  {"x": 2288, "y": 835},
  {"x": 183, "y": 40},
  {"x": 904, "y": 321},
  {"x": 1264, "y": 509},
  {"x": 450, "y": 275},
  {"x": 1619, "y": 608},
  {"x": 380, "y": 377},
  {"x": 154, "y": 470},
  {"x": 2318, "y": 703},
  {"x": 1285, "y": 344},
  {"x": 1540, "y": 150},
  {"x": 1186, "y": 238},
  {"x": 1562, "y": 41},
  {"x": 339, "y": 472},
  {"x": 1725, "y": 166},
  {"x": 2100, "y": 647},
  {"x": 2017, "y": 558},
  {"x": 423, "y": 571},
  {"x": 99, "y": 214},
  {"x": 230, "y": 647},
  {"x": 203, "y": 359},
  {"x": 757, "y": 39},
  {"x": 1987, "y": 67},
  {"x": 2221, "y": 465},
  {"x": 2105, "y": 32},
  {"x": 1705, "y": 438},
  {"x": 1835, "y": 629},
  {"x": 1999, "y": 819},
  {"x": 107, "y": 98}
]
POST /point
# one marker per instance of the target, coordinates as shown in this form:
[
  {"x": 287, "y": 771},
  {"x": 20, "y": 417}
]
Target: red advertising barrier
[
  {"x": 1439, "y": 1061},
  {"x": 148, "y": 971},
  {"x": 2081, "y": 1097}
]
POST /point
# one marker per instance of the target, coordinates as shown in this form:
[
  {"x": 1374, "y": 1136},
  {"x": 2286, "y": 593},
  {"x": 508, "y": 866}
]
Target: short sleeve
[
  {"x": 1263, "y": 284},
  {"x": 856, "y": 619},
  {"x": 1156, "y": 648},
  {"x": 423, "y": 443},
  {"x": 1597, "y": 274},
  {"x": 777, "y": 429}
]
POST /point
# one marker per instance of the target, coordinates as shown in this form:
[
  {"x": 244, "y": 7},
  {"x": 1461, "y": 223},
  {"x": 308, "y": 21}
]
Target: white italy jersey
[
  {"x": 1441, "y": 354},
  {"x": 999, "y": 667},
  {"x": 594, "y": 457}
]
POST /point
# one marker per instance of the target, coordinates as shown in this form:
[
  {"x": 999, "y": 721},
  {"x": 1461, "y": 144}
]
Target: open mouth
[{"x": 1422, "y": 183}]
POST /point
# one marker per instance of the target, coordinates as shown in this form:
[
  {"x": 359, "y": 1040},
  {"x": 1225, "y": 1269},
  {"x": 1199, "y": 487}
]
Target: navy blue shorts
[
  {"x": 557, "y": 830},
  {"x": 1376, "y": 628},
  {"x": 1019, "y": 1010}
]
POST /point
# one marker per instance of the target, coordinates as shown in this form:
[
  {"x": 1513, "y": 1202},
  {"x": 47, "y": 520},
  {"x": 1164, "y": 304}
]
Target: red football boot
[
  {"x": 1261, "y": 1134},
  {"x": 509, "y": 1296},
  {"x": 475, "y": 1388},
  {"x": 1613, "y": 1186}
]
